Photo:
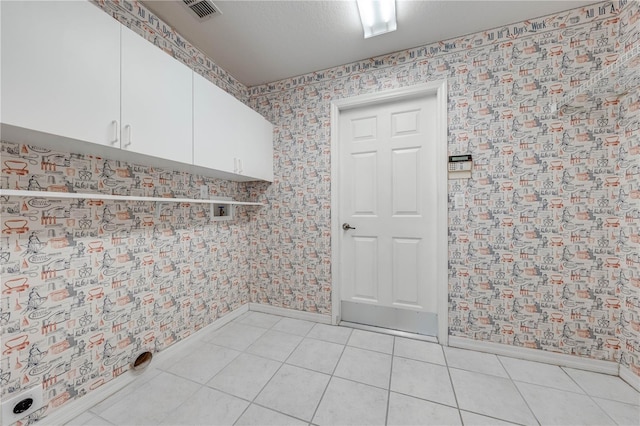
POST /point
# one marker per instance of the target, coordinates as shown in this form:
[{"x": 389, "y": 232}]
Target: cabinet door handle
[
  {"x": 115, "y": 139},
  {"x": 128, "y": 128}
]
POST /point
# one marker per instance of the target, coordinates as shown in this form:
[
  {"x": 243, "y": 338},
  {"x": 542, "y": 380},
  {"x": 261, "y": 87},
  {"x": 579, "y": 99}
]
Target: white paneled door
[{"x": 388, "y": 214}]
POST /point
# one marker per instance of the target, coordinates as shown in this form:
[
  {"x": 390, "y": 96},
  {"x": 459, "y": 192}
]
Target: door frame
[{"x": 438, "y": 88}]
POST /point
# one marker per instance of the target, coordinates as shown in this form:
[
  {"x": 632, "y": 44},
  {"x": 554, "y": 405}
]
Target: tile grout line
[
  {"x": 131, "y": 386},
  {"x": 257, "y": 404},
  {"x": 253, "y": 402},
  {"x": 121, "y": 392},
  {"x": 513, "y": 382},
  {"x": 574, "y": 380},
  {"x": 355, "y": 348},
  {"x": 190, "y": 395},
  {"x": 330, "y": 378},
  {"x": 282, "y": 363},
  {"x": 591, "y": 397},
  {"x": 393, "y": 351},
  {"x": 95, "y": 415},
  {"x": 453, "y": 388},
  {"x": 205, "y": 385},
  {"x": 200, "y": 386},
  {"x": 492, "y": 417},
  {"x": 606, "y": 413},
  {"x": 271, "y": 359},
  {"x": 429, "y": 362},
  {"x": 346, "y": 379},
  {"x": 545, "y": 386},
  {"x": 604, "y": 397},
  {"x": 240, "y": 352}
]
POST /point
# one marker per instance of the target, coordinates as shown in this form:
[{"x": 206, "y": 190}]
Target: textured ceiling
[{"x": 264, "y": 41}]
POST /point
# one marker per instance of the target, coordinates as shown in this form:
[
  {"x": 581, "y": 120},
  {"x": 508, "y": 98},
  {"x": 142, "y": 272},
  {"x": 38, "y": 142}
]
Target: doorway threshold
[{"x": 389, "y": 331}]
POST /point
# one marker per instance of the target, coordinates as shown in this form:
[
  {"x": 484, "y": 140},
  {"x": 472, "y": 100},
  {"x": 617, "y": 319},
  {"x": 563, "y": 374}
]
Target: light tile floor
[{"x": 264, "y": 369}]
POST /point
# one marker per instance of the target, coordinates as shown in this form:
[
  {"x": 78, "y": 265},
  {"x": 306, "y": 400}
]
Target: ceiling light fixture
[{"x": 377, "y": 16}]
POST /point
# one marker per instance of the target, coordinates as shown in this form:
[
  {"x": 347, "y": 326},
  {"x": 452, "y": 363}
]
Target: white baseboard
[
  {"x": 290, "y": 313},
  {"x": 563, "y": 360},
  {"x": 628, "y": 376},
  {"x": 73, "y": 409}
]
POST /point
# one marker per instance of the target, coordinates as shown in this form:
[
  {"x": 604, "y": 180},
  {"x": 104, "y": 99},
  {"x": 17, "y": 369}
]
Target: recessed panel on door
[
  {"x": 405, "y": 123},
  {"x": 406, "y": 271},
  {"x": 364, "y": 129},
  {"x": 365, "y": 257},
  {"x": 364, "y": 189},
  {"x": 405, "y": 182}
]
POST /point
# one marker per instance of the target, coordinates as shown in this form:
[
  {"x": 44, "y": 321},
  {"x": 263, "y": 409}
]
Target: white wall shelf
[
  {"x": 214, "y": 203},
  {"x": 88, "y": 196}
]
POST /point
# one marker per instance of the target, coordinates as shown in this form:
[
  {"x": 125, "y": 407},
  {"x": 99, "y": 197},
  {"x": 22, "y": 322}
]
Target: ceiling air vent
[{"x": 203, "y": 9}]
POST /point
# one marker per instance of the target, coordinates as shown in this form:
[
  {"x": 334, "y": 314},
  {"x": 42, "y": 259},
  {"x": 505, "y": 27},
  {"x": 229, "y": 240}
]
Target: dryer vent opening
[{"x": 142, "y": 361}]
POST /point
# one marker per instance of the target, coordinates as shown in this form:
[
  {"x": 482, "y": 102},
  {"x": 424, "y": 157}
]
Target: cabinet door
[
  {"x": 156, "y": 101},
  {"x": 228, "y": 135},
  {"x": 61, "y": 69},
  {"x": 216, "y": 120},
  {"x": 257, "y": 156}
]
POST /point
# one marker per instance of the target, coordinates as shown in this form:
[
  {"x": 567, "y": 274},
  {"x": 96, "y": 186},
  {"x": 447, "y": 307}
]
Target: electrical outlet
[
  {"x": 23, "y": 404},
  {"x": 204, "y": 192}
]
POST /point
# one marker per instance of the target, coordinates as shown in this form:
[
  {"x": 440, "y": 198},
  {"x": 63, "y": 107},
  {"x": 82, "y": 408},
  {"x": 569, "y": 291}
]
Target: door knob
[{"x": 346, "y": 226}]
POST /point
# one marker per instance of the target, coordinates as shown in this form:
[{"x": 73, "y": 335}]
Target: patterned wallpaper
[
  {"x": 135, "y": 16},
  {"x": 627, "y": 288},
  {"x": 88, "y": 284},
  {"x": 546, "y": 255}
]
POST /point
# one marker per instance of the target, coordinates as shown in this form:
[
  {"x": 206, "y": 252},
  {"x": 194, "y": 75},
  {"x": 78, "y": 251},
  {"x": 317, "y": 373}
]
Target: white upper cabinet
[
  {"x": 156, "y": 101},
  {"x": 256, "y": 159},
  {"x": 228, "y": 135},
  {"x": 70, "y": 72},
  {"x": 61, "y": 69},
  {"x": 216, "y": 142}
]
